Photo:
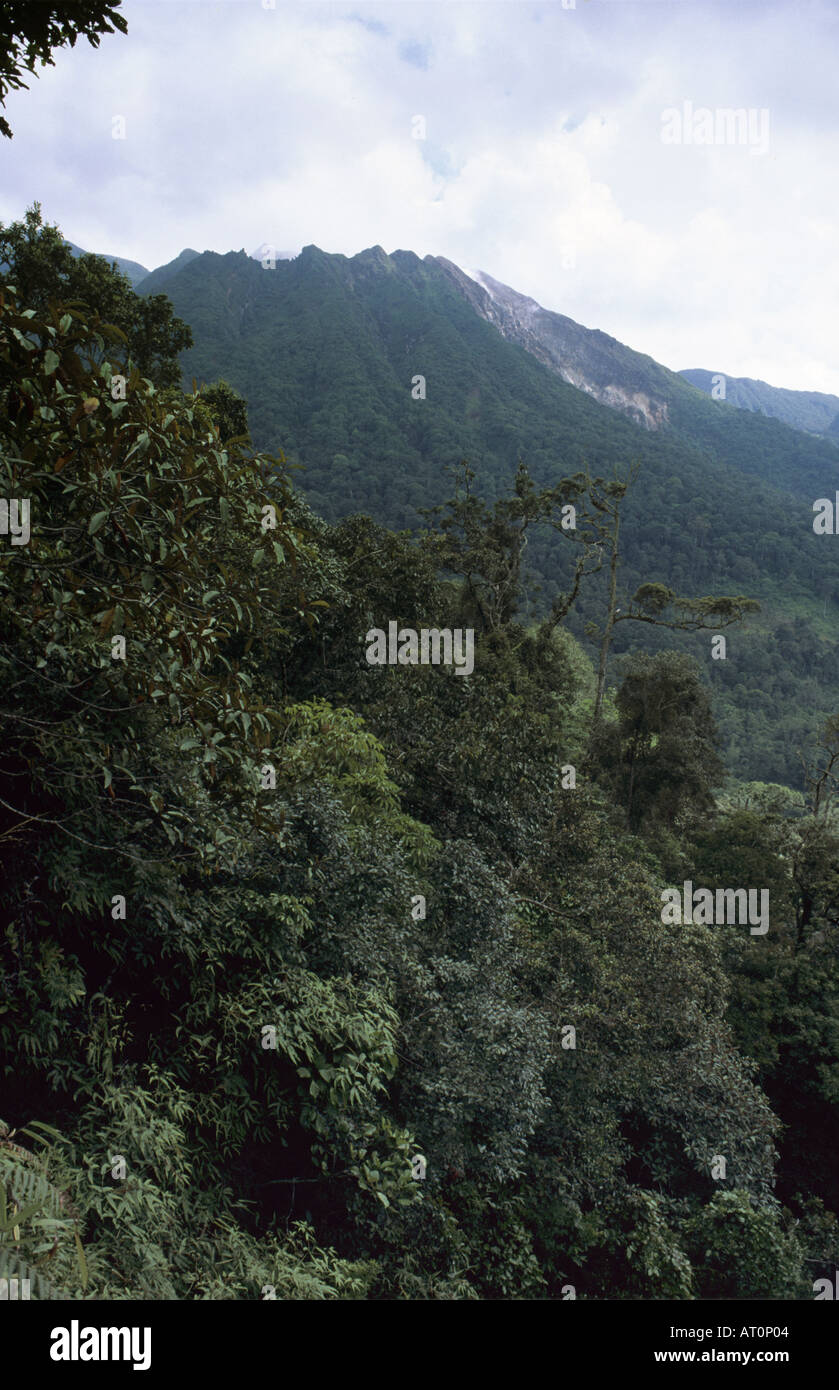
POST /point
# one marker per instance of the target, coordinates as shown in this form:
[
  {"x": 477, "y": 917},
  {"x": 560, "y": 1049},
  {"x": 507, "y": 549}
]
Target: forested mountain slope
[
  {"x": 653, "y": 396},
  {"x": 814, "y": 411},
  {"x": 326, "y": 350}
]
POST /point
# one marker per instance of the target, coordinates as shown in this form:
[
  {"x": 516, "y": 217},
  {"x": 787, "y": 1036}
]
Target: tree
[
  {"x": 741, "y": 1251},
  {"x": 486, "y": 547},
  {"x": 821, "y": 774},
  {"x": 30, "y": 32},
  {"x": 228, "y": 411},
  {"x": 652, "y": 602},
  {"x": 661, "y": 758},
  {"x": 35, "y": 259}
]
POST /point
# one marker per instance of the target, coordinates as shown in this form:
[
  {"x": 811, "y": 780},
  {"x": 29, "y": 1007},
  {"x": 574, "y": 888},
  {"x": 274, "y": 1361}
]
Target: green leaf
[
  {"x": 82, "y": 1260},
  {"x": 96, "y": 522},
  {"x": 51, "y": 361}
]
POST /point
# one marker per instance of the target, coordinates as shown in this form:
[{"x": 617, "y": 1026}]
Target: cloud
[
  {"x": 373, "y": 26},
  {"x": 417, "y": 54},
  {"x": 543, "y": 161}
]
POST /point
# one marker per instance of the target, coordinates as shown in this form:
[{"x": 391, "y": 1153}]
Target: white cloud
[{"x": 293, "y": 125}]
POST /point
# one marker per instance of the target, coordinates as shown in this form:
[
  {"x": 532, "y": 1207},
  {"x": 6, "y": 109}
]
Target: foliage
[
  {"x": 40, "y": 266},
  {"x": 277, "y": 921},
  {"x": 660, "y": 757},
  {"x": 740, "y": 1252},
  {"x": 29, "y": 34}
]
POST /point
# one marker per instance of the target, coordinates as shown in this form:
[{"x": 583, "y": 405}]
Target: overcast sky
[{"x": 548, "y": 160}]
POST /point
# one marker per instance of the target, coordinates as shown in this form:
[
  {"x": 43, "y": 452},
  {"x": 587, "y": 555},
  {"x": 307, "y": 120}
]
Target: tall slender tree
[{"x": 651, "y": 603}]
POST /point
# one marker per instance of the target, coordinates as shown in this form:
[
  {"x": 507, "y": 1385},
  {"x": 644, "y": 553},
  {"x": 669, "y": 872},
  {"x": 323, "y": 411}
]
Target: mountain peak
[
  {"x": 375, "y": 254},
  {"x": 269, "y": 251}
]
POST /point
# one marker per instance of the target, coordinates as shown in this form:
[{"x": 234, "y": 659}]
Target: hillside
[
  {"x": 157, "y": 278},
  {"x": 325, "y": 348},
  {"x": 814, "y": 411},
  {"x": 133, "y": 271},
  {"x": 652, "y": 396}
]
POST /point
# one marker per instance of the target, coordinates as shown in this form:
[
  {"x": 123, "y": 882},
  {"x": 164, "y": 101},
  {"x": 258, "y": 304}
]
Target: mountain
[
  {"x": 158, "y": 277},
  {"x": 375, "y": 373},
  {"x": 814, "y": 411},
  {"x": 648, "y": 393},
  {"x": 136, "y": 273},
  {"x": 132, "y": 269},
  {"x": 586, "y": 358},
  {"x": 268, "y": 251}
]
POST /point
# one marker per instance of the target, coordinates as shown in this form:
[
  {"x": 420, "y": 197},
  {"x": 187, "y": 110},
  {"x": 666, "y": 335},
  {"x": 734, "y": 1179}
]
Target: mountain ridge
[
  {"x": 131, "y": 269},
  {"x": 816, "y": 412},
  {"x": 577, "y": 352}
]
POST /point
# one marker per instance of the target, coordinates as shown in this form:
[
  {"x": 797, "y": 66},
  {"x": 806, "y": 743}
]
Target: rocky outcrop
[{"x": 584, "y": 357}]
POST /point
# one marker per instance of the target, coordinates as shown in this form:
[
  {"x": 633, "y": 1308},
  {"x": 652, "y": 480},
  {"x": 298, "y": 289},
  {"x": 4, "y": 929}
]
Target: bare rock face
[
  {"x": 635, "y": 403},
  {"x": 584, "y": 357}
]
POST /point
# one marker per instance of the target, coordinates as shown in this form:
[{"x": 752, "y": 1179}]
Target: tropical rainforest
[{"x": 326, "y": 980}]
